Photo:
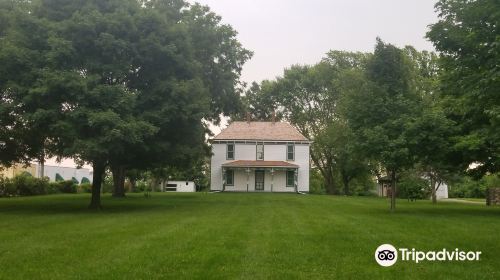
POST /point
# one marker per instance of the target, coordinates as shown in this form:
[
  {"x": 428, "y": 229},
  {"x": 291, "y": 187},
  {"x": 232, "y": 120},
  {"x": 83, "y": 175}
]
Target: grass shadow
[{"x": 78, "y": 204}]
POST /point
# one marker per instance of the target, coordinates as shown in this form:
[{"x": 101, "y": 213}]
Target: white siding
[
  {"x": 246, "y": 152},
  {"x": 218, "y": 158},
  {"x": 240, "y": 181},
  {"x": 275, "y": 152},
  {"x": 66, "y": 172},
  {"x": 272, "y": 152},
  {"x": 183, "y": 186},
  {"x": 442, "y": 191},
  {"x": 302, "y": 160}
]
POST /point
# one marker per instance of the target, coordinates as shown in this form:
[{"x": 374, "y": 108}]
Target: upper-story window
[
  {"x": 260, "y": 151},
  {"x": 290, "y": 152},
  {"x": 230, "y": 151}
]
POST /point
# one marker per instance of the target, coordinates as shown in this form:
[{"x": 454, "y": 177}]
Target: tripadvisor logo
[{"x": 387, "y": 255}]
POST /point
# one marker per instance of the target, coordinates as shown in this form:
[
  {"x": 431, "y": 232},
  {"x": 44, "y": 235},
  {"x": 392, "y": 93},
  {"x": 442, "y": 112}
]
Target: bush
[
  {"x": 469, "y": 188},
  {"x": 413, "y": 187},
  {"x": 53, "y": 188},
  {"x": 107, "y": 184},
  {"x": 363, "y": 185},
  {"x": 316, "y": 182},
  {"x": 27, "y": 185},
  {"x": 67, "y": 186},
  {"x": 7, "y": 188},
  {"x": 85, "y": 188},
  {"x": 491, "y": 180},
  {"x": 141, "y": 186}
]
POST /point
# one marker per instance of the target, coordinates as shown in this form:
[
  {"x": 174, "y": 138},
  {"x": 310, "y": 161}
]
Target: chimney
[
  {"x": 273, "y": 117},
  {"x": 249, "y": 117}
]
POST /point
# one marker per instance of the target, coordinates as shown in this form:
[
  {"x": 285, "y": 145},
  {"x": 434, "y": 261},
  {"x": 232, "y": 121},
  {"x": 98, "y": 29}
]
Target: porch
[{"x": 259, "y": 176}]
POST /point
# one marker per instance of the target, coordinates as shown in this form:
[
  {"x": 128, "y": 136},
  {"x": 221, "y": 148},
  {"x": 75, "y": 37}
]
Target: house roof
[
  {"x": 259, "y": 163},
  {"x": 275, "y": 131}
]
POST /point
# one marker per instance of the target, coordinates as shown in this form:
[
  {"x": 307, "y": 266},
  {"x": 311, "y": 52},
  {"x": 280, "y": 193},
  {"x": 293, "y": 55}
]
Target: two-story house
[{"x": 260, "y": 156}]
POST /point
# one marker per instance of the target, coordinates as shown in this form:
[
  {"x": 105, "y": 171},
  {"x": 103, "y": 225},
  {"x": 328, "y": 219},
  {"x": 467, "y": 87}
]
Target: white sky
[{"x": 286, "y": 32}]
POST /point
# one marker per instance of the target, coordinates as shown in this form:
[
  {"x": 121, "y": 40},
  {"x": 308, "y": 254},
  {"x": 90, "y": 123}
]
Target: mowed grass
[{"x": 239, "y": 236}]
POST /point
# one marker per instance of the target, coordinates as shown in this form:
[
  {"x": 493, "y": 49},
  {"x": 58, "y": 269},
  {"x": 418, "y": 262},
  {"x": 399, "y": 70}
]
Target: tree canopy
[
  {"x": 121, "y": 83},
  {"x": 467, "y": 36}
]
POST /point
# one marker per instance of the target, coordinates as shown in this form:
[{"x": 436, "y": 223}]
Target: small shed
[{"x": 179, "y": 186}]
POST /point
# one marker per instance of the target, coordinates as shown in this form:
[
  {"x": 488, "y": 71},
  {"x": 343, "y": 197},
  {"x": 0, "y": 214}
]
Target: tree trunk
[
  {"x": 345, "y": 181},
  {"x": 118, "y": 172},
  {"x": 42, "y": 167},
  {"x": 132, "y": 184},
  {"x": 97, "y": 178},
  {"x": 393, "y": 191},
  {"x": 329, "y": 184},
  {"x": 433, "y": 188}
]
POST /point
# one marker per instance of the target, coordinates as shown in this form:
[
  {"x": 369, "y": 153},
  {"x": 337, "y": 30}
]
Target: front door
[{"x": 259, "y": 180}]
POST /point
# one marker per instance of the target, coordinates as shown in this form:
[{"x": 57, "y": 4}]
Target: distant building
[
  {"x": 178, "y": 186},
  {"x": 54, "y": 173},
  {"x": 384, "y": 188}
]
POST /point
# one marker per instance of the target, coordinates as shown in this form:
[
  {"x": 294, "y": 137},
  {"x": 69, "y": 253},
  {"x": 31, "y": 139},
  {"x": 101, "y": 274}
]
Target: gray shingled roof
[{"x": 278, "y": 131}]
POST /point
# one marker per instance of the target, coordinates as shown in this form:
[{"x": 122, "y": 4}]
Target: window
[
  {"x": 290, "y": 152},
  {"x": 260, "y": 151},
  {"x": 230, "y": 151},
  {"x": 290, "y": 178},
  {"x": 229, "y": 178}
]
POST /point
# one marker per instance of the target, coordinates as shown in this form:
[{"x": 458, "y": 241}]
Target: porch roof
[{"x": 259, "y": 163}]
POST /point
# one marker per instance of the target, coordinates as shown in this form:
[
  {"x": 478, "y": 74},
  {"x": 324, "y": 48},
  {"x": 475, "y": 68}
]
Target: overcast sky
[{"x": 286, "y": 32}]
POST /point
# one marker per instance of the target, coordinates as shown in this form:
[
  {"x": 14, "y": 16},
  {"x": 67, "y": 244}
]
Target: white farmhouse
[{"x": 260, "y": 157}]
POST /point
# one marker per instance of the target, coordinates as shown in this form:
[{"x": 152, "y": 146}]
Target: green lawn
[{"x": 242, "y": 236}]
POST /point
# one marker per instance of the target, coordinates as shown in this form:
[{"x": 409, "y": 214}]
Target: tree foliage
[
  {"x": 467, "y": 36},
  {"x": 307, "y": 97},
  {"x": 120, "y": 83},
  {"x": 381, "y": 105}
]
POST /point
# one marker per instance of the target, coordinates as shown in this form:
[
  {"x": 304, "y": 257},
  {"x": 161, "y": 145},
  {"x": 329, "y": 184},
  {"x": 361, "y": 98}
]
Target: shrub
[
  {"x": 491, "y": 180},
  {"x": 107, "y": 184},
  {"x": 363, "y": 185},
  {"x": 316, "y": 182},
  {"x": 85, "y": 188},
  {"x": 28, "y": 185},
  {"x": 7, "y": 188},
  {"x": 140, "y": 186},
  {"x": 53, "y": 187},
  {"x": 67, "y": 186},
  {"x": 414, "y": 187},
  {"x": 468, "y": 187}
]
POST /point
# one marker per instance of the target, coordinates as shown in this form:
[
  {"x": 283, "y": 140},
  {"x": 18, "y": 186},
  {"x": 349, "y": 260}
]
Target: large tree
[
  {"x": 467, "y": 36},
  {"x": 307, "y": 97},
  {"x": 189, "y": 65},
  {"x": 132, "y": 81},
  {"x": 380, "y": 106},
  {"x": 432, "y": 135}
]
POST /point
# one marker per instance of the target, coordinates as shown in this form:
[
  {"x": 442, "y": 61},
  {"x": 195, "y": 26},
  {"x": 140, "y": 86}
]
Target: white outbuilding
[{"x": 179, "y": 186}]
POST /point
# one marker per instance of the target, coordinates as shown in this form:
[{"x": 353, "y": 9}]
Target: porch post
[
  {"x": 296, "y": 179},
  {"x": 272, "y": 179},
  {"x": 248, "y": 176},
  {"x": 223, "y": 179}
]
